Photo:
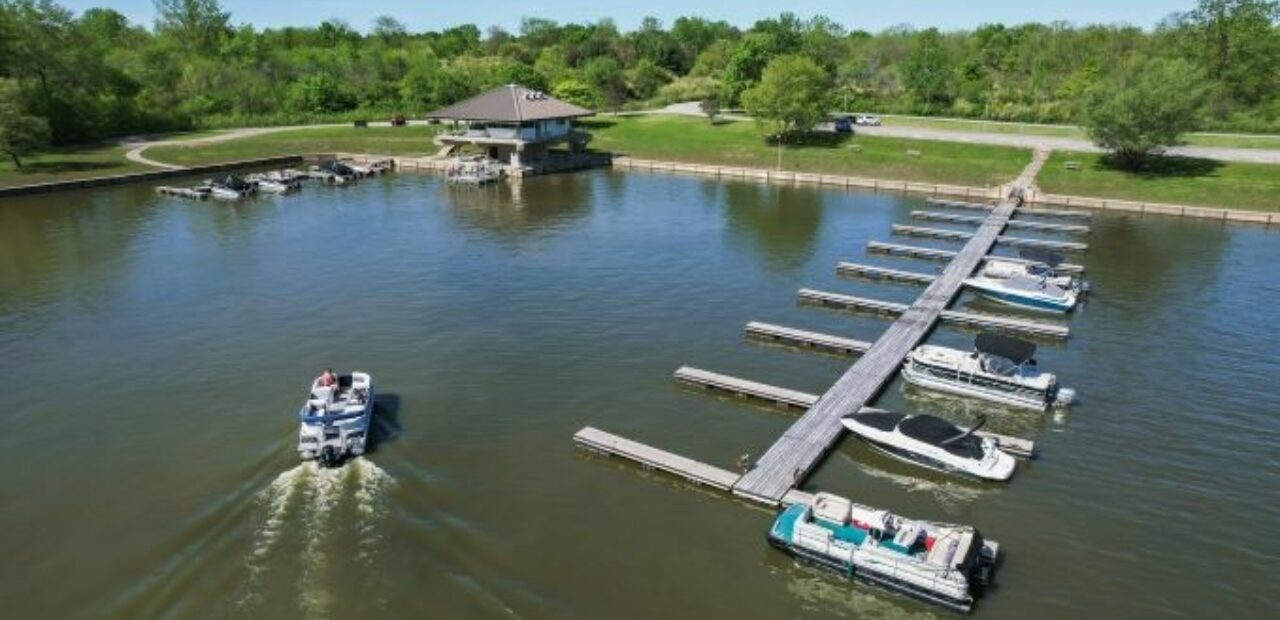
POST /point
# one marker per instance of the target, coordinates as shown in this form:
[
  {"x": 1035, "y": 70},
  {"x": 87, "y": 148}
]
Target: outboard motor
[{"x": 329, "y": 457}]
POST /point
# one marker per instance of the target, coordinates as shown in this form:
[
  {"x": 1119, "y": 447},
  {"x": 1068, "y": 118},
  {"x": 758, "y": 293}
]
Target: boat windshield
[{"x": 997, "y": 365}]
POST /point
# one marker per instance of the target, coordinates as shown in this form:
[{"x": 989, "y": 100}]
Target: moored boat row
[{"x": 284, "y": 181}]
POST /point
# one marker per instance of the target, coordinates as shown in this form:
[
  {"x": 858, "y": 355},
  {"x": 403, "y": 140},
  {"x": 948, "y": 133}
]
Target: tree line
[{"x": 95, "y": 74}]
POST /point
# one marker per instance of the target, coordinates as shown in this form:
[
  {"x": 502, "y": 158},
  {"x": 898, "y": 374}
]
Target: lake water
[{"x": 155, "y": 351}]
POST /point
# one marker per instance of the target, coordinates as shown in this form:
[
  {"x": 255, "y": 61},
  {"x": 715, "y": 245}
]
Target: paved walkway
[
  {"x": 1057, "y": 143},
  {"x": 139, "y": 144}
]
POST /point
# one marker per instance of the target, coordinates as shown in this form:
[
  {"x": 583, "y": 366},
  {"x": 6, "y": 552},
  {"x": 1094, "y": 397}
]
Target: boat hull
[
  {"x": 1039, "y": 402},
  {"x": 1024, "y": 300},
  {"x": 870, "y": 577},
  {"x": 916, "y": 458}
]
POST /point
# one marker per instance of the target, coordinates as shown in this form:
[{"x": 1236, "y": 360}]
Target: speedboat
[
  {"x": 933, "y": 442},
  {"x": 275, "y": 182},
  {"x": 334, "y": 172},
  {"x": 230, "y": 187},
  {"x": 368, "y": 169},
  {"x": 1025, "y": 291},
  {"x": 334, "y": 421},
  {"x": 999, "y": 369},
  {"x": 1035, "y": 263},
  {"x": 938, "y": 563}
]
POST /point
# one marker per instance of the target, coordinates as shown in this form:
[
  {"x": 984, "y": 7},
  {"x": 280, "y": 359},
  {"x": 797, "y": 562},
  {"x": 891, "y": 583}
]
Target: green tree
[
  {"x": 1145, "y": 110},
  {"x": 20, "y": 133},
  {"x": 792, "y": 97},
  {"x": 605, "y": 76},
  {"x": 927, "y": 71},
  {"x": 710, "y": 107},
  {"x": 1238, "y": 43},
  {"x": 198, "y": 23},
  {"x": 576, "y": 92}
]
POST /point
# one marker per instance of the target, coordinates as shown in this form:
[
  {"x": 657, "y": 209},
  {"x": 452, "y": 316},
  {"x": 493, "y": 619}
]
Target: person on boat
[{"x": 327, "y": 379}]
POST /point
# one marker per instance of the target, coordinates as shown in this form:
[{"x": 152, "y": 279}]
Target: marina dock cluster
[{"x": 776, "y": 478}]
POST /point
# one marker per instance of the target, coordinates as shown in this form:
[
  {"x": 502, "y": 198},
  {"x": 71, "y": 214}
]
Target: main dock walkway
[{"x": 773, "y": 479}]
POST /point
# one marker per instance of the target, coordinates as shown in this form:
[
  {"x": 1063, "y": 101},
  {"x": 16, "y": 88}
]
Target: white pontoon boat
[{"x": 999, "y": 369}]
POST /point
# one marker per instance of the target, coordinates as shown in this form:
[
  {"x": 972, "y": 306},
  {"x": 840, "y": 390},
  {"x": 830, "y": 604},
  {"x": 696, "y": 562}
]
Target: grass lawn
[
  {"x": 68, "y": 163},
  {"x": 674, "y": 138},
  {"x": 1240, "y": 141},
  {"x": 1231, "y": 185},
  {"x": 411, "y": 140}
]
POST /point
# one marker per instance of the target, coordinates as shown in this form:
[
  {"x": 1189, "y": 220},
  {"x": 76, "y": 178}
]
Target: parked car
[
  {"x": 867, "y": 119},
  {"x": 398, "y": 120},
  {"x": 844, "y": 124}
]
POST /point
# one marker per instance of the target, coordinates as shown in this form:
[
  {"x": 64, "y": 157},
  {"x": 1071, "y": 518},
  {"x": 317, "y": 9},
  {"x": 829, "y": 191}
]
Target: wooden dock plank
[
  {"x": 880, "y": 273},
  {"x": 734, "y": 385},
  {"x": 959, "y": 235},
  {"x": 911, "y": 251},
  {"x": 968, "y": 319},
  {"x": 1016, "y": 446},
  {"x": 695, "y": 471},
  {"x": 800, "y": 337},
  {"x": 1020, "y": 224},
  {"x": 1025, "y": 210}
]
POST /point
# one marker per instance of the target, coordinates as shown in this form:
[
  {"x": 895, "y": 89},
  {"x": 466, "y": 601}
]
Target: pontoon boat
[
  {"x": 1000, "y": 369},
  {"x": 335, "y": 419},
  {"x": 937, "y": 563}
]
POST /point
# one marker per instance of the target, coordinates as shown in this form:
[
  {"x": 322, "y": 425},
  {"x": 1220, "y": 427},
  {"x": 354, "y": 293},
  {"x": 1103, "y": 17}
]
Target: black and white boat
[
  {"x": 933, "y": 442},
  {"x": 275, "y": 182},
  {"x": 334, "y": 172},
  {"x": 939, "y": 563},
  {"x": 999, "y": 369},
  {"x": 230, "y": 187},
  {"x": 334, "y": 421}
]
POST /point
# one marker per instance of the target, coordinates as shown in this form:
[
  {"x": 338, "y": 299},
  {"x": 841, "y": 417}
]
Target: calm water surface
[{"x": 154, "y": 352}]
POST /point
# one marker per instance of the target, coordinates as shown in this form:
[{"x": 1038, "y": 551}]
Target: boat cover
[
  {"x": 936, "y": 431},
  {"x": 1015, "y": 350},
  {"x": 884, "y": 421}
]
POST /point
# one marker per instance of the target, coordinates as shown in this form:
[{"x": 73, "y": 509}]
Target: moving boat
[
  {"x": 938, "y": 563},
  {"x": 1000, "y": 369},
  {"x": 230, "y": 187},
  {"x": 1035, "y": 293},
  {"x": 334, "y": 421},
  {"x": 1035, "y": 263},
  {"x": 933, "y": 442}
]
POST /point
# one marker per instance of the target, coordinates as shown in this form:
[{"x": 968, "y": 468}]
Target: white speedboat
[
  {"x": 1035, "y": 263},
  {"x": 230, "y": 187},
  {"x": 275, "y": 182},
  {"x": 1025, "y": 292},
  {"x": 932, "y": 442},
  {"x": 334, "y": 421},
  {"x": 938, "y": 563},
  {"x": 1000, "y": 369}
]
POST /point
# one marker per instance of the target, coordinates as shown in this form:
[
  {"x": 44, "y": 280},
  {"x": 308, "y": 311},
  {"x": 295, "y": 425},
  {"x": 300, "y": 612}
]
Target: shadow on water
[
  {"x": 511, "y": 210},
  {"x": 386, "y": 421}
]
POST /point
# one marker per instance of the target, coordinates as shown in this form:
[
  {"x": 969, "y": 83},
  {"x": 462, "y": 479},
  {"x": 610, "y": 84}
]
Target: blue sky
[{"x": 435, "y": 14}]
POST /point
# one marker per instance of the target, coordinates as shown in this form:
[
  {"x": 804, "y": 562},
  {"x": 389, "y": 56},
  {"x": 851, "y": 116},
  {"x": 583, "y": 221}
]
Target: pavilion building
[{"x": 513, "y": 125}]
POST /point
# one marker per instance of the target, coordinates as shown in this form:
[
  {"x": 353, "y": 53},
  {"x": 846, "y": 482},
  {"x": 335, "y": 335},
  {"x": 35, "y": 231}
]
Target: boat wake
[{"x": 316, "y": 512}]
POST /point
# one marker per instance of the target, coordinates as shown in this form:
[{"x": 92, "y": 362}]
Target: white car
[{"x": 866, "y": 119}]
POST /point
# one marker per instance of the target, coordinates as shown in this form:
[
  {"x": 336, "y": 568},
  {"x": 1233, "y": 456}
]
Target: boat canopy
[
  {"x": 1013, "y": 349},
  {"x": 1041, "y": 255}
]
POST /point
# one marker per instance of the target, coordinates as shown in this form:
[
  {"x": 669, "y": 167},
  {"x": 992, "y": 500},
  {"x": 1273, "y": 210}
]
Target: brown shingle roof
[{"x": 512, "y": 104}]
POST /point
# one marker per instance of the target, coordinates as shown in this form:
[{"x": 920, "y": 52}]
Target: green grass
[
  {"x": 412, "y": 140},
  {"x": 68, "y": 163},
  {"x": 1227, "y": 140},
  {"x": 1184, "y": 181},
  {"x": 741, "y": 144}
]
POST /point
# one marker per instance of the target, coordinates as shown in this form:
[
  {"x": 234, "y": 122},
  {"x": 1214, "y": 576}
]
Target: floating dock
[
  {"x": 806, "y": 339},
  {"x": 1021, "y": 327},
  {"x": 1020, "y": 224},
  {"x": 1017, "y": 242},
  {"x": 1015, "y": 446},
  {"x": 977, "y": 206},
  {"x": 911, "y": 251},
  {"x": 774, "y": 477},
  {"x": 182, "y": 192},
  {"x": 871, "y": 272},
  {"x": 697, "y": 472}
]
